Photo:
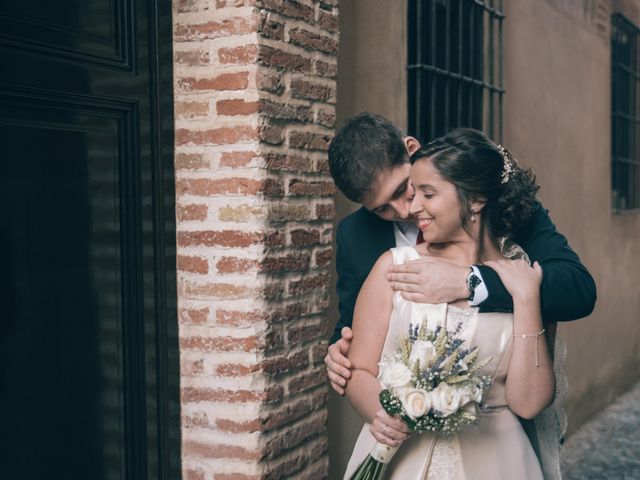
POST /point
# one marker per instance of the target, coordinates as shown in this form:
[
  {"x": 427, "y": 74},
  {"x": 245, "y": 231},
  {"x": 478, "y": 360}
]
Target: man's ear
[{"x": 412, "y": 144}]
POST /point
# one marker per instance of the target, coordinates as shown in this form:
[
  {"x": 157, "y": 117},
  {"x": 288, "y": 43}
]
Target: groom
[{"x": 369, "y": 162}]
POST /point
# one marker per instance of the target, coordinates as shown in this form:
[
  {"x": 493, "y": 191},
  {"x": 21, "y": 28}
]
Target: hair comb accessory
[{"x": 507, "y": 166}]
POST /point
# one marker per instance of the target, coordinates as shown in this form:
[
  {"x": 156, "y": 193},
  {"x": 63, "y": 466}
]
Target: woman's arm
[
  {"x": 370, "y": 322},
  {"x": 530, "y": 379}
]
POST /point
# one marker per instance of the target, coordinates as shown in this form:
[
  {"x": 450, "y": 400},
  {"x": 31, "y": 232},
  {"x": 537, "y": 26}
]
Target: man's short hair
[{"x": 365, "y": 146}]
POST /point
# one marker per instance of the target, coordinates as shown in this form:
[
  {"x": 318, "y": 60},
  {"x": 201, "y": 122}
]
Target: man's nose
[{"x": 402, "y": 207}]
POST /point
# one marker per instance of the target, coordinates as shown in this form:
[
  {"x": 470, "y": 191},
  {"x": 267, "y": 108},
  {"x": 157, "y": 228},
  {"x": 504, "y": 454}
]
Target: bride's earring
[{"x": 473, "y": 216}]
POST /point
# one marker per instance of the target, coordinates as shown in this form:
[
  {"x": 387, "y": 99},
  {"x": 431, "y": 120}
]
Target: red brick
[
  {"x": 293, "y": 362},
  {"x": 328, "y": 21},
  {"x": 326, "y": 118},
  {"x": 325, "y": 69},
  {"x": 203, "y": 394},
  {"x": 192, "y": 448},
  {"x": 237, "y": 476},
  {"x": 191, "y": 5},
  {"x": 271, "y": 134},
  {"x": 221, "y": 344},
  {"x": 324, "y": 257},
  {"x": 270, "y": 28},
  {"x": 313, "y": 41},
  {"x": 308, "y": 380},
  {"x": 224, "y": 238},
  {"x": 235, "y": 3},
  {"x": 225, "y": 186},
  {"x": 191, "y": 212},
  {"x": 306, "y": 284},
  {"x": 241, "y": 319},
  {"x": 309, "y": 140},
  {"x": 236, "y": 107},
  {"x": 194, "y": 316},
  {"x": 218, "y": 290},
  {"x": 224, "y": 81},
  {"x": 236, "y": 265},
  {"x": 192, "y": 57},
  {"x": 314, "y": 189},
  {"x": 191, "y": 109},
  {"x": 286, "y": 111},
  {"x": 288, "y": 162},
  {"x": 245, "y": 54},
  {"x": 288, "y": 8},
  {"x": 296, "y": 434},
  {"x": 191, "y": 367},
  {"x": 232, "y": 426},
  {"x": 270, "y": 81},
  {"x": 304, "y": 333},
  {"x": 301, "y": 88},
  {"x": 303, "y": 237},
  {"x": 192, "y": 264},
  {"x": 216, "y": 136},
  {"x": 325, "y": 211},
  {"x": 236, "y": 370},
  {"x": 290, "y": 262},
  {"x": 289, "y": 213},
  {"x": 321, "y": 165},
  {"x": 191, "y": 161},
  {"x": 236, "y": 159},
  {"x": 214, "y": 29},
  {"x": 275, "y": 58},
  {"x": 192, "y": 474},
  {"x": 289, "y": 413}
]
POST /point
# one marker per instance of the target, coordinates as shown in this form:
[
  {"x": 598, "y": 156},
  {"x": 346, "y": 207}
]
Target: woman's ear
[
  {"x": 477, "y": 204},
  {"x": 412, "y": 144}
]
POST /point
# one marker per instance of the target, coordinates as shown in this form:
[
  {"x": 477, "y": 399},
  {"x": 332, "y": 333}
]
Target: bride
[{"x": 470, "y": 198}]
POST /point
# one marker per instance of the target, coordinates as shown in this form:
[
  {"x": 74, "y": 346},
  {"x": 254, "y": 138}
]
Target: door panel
[{"x": 88, "y": 331}]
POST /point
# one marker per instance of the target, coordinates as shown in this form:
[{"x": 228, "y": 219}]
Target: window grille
[
  {"x": 455, "y": 76},
  {"x": 625, "y": 122}
]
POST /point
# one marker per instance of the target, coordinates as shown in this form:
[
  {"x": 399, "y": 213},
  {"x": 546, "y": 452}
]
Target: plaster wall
[{"x": 557, "y": 118}]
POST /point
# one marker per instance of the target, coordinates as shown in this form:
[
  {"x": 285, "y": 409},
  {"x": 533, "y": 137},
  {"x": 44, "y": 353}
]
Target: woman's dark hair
[{"x": 479, "y": 170}]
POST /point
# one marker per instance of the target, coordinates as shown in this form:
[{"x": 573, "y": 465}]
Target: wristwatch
[{"x": 473, "y": 281}]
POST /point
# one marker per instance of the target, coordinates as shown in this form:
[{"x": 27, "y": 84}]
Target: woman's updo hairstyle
[{"x": 482, "y": 170}]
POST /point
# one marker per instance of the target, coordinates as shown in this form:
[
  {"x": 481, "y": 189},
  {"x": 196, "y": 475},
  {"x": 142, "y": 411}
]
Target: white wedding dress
[{"x": 497, "y": 448}]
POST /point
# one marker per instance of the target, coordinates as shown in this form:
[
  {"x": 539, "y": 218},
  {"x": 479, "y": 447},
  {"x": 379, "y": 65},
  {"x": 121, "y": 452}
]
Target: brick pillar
[{"x": 255, "y": 93}]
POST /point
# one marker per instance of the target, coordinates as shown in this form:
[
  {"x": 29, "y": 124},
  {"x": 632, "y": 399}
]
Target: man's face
[{"x": 391, "y": 194}]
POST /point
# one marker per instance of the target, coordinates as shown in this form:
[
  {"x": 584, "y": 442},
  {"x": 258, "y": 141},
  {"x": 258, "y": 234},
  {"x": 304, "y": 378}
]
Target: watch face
[{"x": 472, "y": 282}]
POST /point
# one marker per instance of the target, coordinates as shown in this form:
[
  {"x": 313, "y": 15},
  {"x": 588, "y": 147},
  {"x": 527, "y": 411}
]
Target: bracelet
[{"x": 537, "y": 336}]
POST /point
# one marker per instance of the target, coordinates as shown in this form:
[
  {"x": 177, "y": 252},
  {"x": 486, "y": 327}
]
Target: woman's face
[{"x": 436, "y": 205}]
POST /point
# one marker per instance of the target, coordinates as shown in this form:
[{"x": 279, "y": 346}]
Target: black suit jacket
[{"x": 568, "y": 291}]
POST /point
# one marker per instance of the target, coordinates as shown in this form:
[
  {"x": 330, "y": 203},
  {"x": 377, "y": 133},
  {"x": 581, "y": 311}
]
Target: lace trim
[{"x": 446, "y": 460}]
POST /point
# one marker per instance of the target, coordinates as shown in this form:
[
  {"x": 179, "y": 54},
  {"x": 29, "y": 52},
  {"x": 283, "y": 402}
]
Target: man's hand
[
  {"x": 338, "y": 365},
  {"x": 429, "y": 281}
]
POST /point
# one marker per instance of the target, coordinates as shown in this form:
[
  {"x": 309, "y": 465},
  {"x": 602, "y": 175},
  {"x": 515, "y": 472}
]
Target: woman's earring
[{"x": 473, "y": 216}]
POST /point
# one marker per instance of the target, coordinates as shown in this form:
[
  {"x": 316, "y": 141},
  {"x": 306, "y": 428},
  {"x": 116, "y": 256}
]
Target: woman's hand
[
  {"x": 388, "y": 430},
  {"x": 520, "y": 280}
]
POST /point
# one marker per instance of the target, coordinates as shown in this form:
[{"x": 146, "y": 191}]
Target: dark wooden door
[{"x": 88, "y": 342}]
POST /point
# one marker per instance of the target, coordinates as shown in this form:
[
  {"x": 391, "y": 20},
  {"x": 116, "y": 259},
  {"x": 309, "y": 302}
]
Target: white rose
[
  {"x": 422, "y": 351},
  {"x": 447, "y": 400},
  {"x": 394, "y": 375},
  {"x": 416, "y": 402},
  {"x": 476, "y": 394}
]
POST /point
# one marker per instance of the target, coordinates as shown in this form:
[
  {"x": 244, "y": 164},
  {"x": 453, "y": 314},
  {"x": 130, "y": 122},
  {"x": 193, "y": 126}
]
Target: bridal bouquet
[{"x": 431, "y": 381}]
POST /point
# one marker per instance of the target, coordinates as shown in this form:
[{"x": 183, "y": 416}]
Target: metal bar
[
  {"x": 432, "y": 92},
  {"x": 462, "y": 78},
  {"x": 447, "y": 66},
  {"x": 493, "y": 11},
  {"x": 500, "y": 76},
  {"x": 418, "y": 101},
  {"x": 471, "y": 58},
  {"x": 460, "y": 54}
]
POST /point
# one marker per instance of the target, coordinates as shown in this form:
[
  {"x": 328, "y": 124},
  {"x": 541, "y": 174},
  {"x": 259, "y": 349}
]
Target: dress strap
[{"x": 404, "y": 254}]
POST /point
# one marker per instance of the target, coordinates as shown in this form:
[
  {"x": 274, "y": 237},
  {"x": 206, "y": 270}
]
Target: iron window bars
[
  {"x": 455, "y": 75},
  {"x": 625, "y": 121}
]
